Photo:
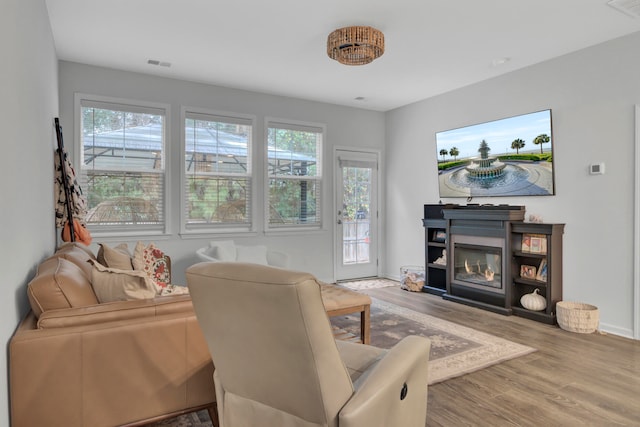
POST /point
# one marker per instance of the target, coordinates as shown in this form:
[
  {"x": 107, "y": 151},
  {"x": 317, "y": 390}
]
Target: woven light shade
[{"x": 355, "y": 45}]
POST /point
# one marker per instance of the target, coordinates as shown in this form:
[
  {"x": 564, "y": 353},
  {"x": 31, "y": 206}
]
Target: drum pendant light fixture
[{"x": 355, "y": 45}]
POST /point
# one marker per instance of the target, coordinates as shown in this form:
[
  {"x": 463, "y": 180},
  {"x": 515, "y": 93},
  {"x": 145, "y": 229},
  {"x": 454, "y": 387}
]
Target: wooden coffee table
[{"x": 339, "y": 300}]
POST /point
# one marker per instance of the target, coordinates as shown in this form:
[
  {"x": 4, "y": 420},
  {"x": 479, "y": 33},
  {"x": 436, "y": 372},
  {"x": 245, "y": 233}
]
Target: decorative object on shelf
[
  {"x": 356, "y": 45},
  {"x": 542, "y": 271},
  {"x": 527, "y": 271},
  {"x": 577, "y": 317},
  {"x": 442, "y": 260},
  {"x": 534, "y": 301},
  {"x": 439, "y": 236},
  {"x": 534, "y": 243},
  {"x": 537, "y": 219}
]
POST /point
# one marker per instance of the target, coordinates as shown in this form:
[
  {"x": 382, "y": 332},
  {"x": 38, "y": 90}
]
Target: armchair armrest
[
  {"x": 377, "y": 399},
  {"x": 115, "y": 311}
]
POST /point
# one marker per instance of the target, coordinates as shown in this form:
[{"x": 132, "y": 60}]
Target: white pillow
[
  {"x": 252, "y": 254},
  {"x": 224, "y": 250}
]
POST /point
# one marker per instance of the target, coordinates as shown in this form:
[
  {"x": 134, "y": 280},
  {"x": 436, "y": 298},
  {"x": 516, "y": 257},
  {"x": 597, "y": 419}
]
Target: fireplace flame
[{"x": 488, "y": 273}]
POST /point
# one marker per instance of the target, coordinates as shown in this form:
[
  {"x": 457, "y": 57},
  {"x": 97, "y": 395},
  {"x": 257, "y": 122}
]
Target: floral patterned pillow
[{"x": 152, "y": 261}]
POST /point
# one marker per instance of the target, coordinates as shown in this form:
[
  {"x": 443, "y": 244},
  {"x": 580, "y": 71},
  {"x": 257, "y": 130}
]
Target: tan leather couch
[{"x": 75, "y": 362}]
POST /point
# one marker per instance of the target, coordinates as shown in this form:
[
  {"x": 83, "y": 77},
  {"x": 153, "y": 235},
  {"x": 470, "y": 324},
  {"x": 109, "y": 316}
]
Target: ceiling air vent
[
  {"x": 160, "y": 63},
  {"x": 628, "y": 7}
]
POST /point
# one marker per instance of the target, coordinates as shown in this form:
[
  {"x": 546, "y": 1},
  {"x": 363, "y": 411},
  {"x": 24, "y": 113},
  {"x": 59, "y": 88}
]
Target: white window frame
[
  {"x": 134, "y": 106},
  {"x": 320, "y": 128},
  {"x": 211, "y": 229}
]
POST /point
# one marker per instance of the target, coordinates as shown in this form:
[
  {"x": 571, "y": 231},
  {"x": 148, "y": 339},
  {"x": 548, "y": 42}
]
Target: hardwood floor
[{"x": 572, "y": 380}]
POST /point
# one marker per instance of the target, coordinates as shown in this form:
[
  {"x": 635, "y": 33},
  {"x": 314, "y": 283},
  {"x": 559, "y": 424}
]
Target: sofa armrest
[
  {"x": 377, "y": 399},
  {"x": 115, "y": 311}
]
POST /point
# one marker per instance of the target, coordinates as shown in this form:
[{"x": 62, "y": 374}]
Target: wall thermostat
[{"x": 596, "y": 169}]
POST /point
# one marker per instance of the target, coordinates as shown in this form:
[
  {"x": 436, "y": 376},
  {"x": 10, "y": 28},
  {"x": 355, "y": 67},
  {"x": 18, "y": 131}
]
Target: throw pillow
[
  {"x": 252, "y": 254},
  {"x": 224, "y": 250},
  {"x": 153, "y": 262},
  {"x": 174, "y": 290},
  {"x": 118, "y": 257},
  {"x": 112, "y": 284}
]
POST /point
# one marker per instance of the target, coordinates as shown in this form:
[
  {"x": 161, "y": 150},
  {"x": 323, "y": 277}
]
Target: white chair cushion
[
  {"x": 224, "y": 250},
  {"x": 253, "y": 254}
]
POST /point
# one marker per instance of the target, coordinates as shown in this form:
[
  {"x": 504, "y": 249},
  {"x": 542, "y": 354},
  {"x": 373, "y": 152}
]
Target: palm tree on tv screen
[
  {"x": 517, "y": 144},
  {"x": 541, "y": 139}
]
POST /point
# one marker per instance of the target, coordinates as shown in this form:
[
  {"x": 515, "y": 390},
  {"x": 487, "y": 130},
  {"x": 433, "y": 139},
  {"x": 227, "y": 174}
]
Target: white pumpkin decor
[{"x": 534, "y": 301}]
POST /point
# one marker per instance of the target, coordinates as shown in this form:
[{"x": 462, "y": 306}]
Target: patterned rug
[
  {"x": 455, "y": 350},
  {"x": 374, "y": 283}
]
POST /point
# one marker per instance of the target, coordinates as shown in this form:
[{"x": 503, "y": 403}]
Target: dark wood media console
[{"x": 483, "y": 256}]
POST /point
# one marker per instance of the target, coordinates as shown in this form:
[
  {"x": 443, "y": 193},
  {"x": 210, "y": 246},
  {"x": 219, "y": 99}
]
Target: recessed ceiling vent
[
  {"x": 160, "y": 63},
  {"x": 628, "y": 7}
]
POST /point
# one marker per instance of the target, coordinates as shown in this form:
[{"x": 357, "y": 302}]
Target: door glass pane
[{"x": 356, "y": 215}]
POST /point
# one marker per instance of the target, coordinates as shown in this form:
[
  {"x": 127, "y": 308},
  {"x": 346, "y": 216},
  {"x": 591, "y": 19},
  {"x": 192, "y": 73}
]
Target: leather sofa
[{"x": 76, "y": 362}]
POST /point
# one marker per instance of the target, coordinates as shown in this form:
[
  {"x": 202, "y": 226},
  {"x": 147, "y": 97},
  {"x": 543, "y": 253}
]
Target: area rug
[
  {"x": 375, "y": 283},
  {"x": 455, "y": 349}
]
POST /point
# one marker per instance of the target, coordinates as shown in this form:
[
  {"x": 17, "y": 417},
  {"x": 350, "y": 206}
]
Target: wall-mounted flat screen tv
[{"x": 506, "y": 157}]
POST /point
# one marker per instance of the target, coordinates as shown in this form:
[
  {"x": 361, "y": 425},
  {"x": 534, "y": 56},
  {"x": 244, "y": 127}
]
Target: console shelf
[
  {"x": 531, "y": 257},
  {"x": 435, "y": 233},
  {"x": 547, "y": 256}
]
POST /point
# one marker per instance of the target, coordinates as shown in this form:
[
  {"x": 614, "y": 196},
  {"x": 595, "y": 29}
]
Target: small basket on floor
[
  {"x": 577, "y": 317},
  {"x": 412, "y": 278}
]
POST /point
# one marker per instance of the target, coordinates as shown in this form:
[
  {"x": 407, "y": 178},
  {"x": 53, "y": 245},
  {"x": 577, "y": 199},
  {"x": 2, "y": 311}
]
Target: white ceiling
[{"x": 279, "y": 46}]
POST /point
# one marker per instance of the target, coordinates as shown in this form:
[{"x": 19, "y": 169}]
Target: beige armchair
[{"x": 278, "y": 364}]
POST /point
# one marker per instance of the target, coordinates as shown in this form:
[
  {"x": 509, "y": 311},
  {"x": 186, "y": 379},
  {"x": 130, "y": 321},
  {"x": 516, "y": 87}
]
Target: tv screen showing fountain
[{"x": 506, "y": 157}]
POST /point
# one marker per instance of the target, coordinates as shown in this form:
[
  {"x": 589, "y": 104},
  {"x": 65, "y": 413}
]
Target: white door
[{"x": 356, "y": 214}]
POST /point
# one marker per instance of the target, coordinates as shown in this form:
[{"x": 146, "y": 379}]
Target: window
[
  {"x": 294, "y": 163},
  {"x": 217, "y": 159},
  {"x": 122, "y": 169}
]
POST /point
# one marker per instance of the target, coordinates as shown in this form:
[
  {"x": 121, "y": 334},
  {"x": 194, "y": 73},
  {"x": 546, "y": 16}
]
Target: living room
[{"x": 592, "y": 93}]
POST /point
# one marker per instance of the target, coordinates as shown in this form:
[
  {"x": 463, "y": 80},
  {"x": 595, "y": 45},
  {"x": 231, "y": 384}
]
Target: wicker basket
[
  {"x": 577, "y": 317},
  {"x": 411, "y": 278}
]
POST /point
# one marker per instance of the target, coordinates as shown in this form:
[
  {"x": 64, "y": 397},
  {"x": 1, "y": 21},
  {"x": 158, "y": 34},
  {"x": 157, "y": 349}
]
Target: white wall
[
  {"x": 592, "y": 94},
  {"x": 29, "y": 103},
  {"x": 311, "y": 252}
]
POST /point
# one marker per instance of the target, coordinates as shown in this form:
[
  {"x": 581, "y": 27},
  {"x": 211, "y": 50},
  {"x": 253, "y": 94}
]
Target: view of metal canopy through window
[
  {"x": 295, "y": 174},
  {"x": 124, "y": 167},
  {"x": 217, "y": 170}
]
